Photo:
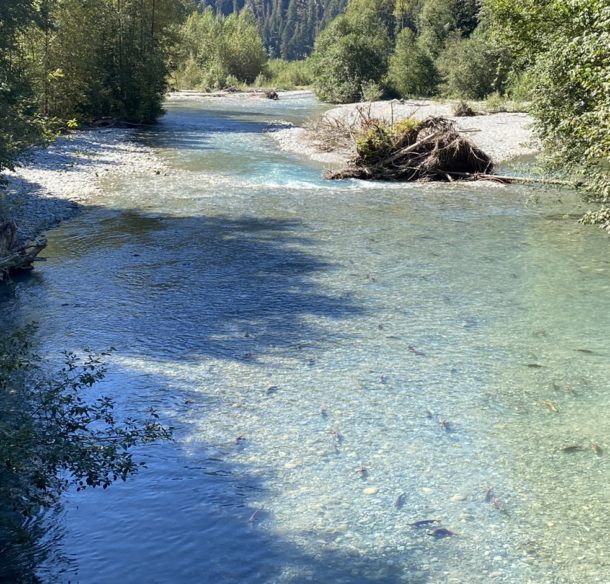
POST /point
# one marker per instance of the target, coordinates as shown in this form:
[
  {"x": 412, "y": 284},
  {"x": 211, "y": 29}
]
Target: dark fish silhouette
[
  {"x": 400, "y": 501},
  {"x": 445, "y": 425},
  {"x": 441, "y": 533},
  {"x": 416, "y": 351}
]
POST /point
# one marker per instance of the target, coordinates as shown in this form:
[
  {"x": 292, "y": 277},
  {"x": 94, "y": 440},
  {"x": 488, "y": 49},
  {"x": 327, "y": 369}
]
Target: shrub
[
  {"x": 371, "y": 91},
  {"x": 495, "y": 103},
  {"x": 461, "y": 109},
  {"x": 285, "y": 74},
  {"x": 411, "y": 72},
  {"x": 349, "y": 53},
  {"x": 470, "y": 68},
  {"x": 600, "y": 217}
]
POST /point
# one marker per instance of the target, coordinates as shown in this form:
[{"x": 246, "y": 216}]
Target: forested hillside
[{"x": 288, "y": 27}]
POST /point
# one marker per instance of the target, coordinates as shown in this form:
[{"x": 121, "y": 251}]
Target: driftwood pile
[
  {"x": 414, "y": 150},
  {"x": 13, "y": 256}
]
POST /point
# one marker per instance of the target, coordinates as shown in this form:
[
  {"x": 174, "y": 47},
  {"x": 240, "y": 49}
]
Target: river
[{"x": 340, "y": 361}]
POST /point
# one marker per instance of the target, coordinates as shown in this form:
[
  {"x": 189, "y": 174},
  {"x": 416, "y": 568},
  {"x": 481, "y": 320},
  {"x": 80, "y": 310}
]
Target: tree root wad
[{"x": 412, "y": 150}]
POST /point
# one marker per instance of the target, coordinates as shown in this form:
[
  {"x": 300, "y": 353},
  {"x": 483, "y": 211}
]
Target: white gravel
[
  {"x": 503, "y": 136},
  {"x": 51, "y": 183}
]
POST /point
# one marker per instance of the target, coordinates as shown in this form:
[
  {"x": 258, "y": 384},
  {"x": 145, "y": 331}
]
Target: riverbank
[
  {"x": 53, "y": 182},
  {"x": 193, "y": 95},
  {"x": 503, "y": 136}
]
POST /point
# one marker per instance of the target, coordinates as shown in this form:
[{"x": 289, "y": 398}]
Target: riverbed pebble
[{"x": 50, "y": 184}]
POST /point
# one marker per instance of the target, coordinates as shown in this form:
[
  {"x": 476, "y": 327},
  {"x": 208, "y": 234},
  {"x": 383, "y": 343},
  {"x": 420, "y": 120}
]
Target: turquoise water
[{"x": 341, "y": 361}]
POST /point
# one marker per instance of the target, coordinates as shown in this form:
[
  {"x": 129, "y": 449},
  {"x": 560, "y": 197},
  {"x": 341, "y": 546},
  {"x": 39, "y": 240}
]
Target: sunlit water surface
[{"x": 340, "y": 361}]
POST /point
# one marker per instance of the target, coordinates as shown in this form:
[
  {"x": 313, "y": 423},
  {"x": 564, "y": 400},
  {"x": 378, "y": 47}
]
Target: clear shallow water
[{"x": 341, "y": 360}]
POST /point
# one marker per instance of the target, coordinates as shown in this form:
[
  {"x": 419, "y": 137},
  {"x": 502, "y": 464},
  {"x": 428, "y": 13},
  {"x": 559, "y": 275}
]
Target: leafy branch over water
[{"x": 54, "y": 435}]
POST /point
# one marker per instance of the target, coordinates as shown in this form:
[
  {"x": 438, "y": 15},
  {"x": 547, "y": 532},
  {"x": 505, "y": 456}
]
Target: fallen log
[
  {"x": 511, "y": 179},
  {"x": 23, "y": 257},
  {"x": 8, "y": 236}
]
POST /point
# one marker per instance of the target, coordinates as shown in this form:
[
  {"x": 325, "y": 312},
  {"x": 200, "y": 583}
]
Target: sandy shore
[
  {"x": 503, "y": 136},
  {"x": 53, "y": 182}
]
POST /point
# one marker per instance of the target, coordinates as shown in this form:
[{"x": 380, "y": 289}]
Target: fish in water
[
  {"x": 400, "y": 501},
  {"x": 441, "y": 532},
  {"x": 445, "y": 425},
  {"x": 416, "y": 351},
  {"x": 572, "y": 448},
  {"x": 489, "y": 496},
  {"x": 423, "y": 522},
  {"x": 597, "y": 448},
  {"x": 337, "y": 437},
  {"x": 273, "y": 389},
  {"x": 535, "y": 366},
  {"x": 362, "y": 471},
  {"x": 587, "y": 351},
  {"x": 550, "y": 405}
]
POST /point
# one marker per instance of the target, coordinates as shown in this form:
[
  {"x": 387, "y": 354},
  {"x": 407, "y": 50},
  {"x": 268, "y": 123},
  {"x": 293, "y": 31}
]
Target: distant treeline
[{"x": 288, "y": 27}]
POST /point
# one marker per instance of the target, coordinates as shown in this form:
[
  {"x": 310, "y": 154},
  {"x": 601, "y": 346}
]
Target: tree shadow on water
[
  {"x": 178, "y": 289},
  {"x": 210, "y": 286},
  {"x": 195, "y": 515}
]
